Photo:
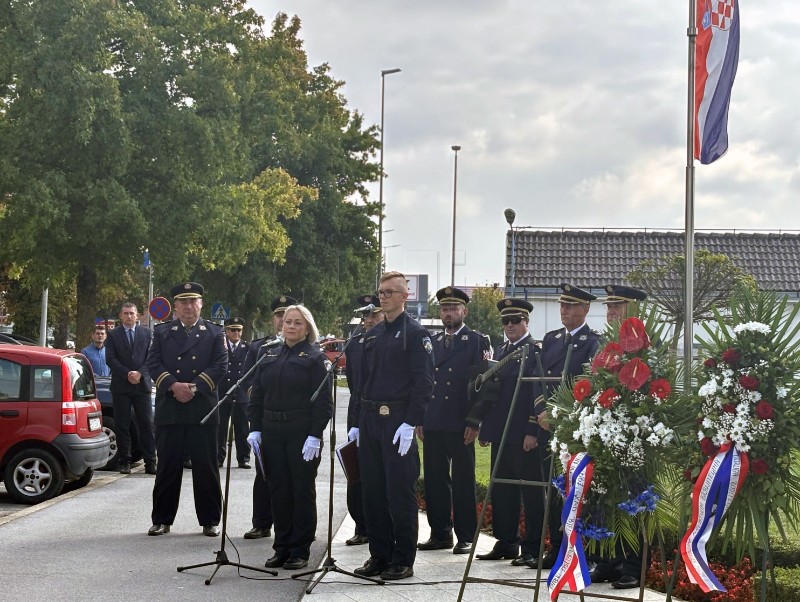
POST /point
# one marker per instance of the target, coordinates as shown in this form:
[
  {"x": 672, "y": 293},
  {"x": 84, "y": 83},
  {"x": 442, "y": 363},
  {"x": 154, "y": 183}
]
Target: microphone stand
[
  {"x": 222, "y": 556},
  {"x": 329, "y": 565}
]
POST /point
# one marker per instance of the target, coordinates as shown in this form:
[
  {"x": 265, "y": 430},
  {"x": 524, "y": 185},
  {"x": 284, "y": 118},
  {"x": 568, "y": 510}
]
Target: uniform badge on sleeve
[{"x": 426, "y": 343}]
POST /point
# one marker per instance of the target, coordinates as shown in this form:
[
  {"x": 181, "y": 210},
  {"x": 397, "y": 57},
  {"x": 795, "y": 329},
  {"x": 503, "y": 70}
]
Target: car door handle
[{"x": 9, "y": 413}]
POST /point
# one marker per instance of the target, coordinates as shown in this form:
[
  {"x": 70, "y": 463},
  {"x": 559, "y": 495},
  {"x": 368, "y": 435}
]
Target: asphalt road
[{"x": 93, "y": 543}]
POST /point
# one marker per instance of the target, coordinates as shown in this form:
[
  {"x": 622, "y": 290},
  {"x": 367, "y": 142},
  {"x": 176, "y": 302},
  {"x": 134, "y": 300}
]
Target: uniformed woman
[{"x": 288, "y": 428}]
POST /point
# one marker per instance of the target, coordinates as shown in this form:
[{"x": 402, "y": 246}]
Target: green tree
[{"x": 483, "y": 315}]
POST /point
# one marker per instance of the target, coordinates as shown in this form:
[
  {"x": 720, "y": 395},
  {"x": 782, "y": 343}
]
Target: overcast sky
[{"x": 572, "y": 113}]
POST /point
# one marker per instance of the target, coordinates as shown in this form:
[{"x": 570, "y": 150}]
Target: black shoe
[
  {"x": 436, "y": 544},
  {"x": 158, "y": 530},
  {"x": 276, "y": 561},
  {"x": 295, "y": 563},
  {"x": 187, "y": 464},
  {"x": 528, "y": 560},
  {"x": 499, "y": 553},
  {"x": 372, "y": 567},
  {"x": 211, "y": 530},
  {"x": 124, "y": 468},
  {"x": 245, "y": 465},
  {"x": 357, "y": 540},
  {"x": 397, "y": 571},
  {"x": 601, "y": 572},
  {"x": 548, "y": 560},
  {"x": 150, "y": 469},
  {"x": 257, "y": 533},
  {"x": 625, "y": 582},
  {"x": 463, "y": 547}
]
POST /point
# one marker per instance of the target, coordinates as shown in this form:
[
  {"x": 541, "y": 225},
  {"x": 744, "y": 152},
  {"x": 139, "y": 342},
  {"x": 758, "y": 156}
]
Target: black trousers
[
  {"x": 515, "y": 463},
  {"x": 138, "y": 401},
  {"x": 291, "y": 487},
  {"x": 262, "y": 504},
  {"x": 447, "y": 496},
  {"x": 200, "y": 442},
  {"x": 355, "y": 506},
  {"x": 237, "y": 413},
  {"x": 388, "y": 482}
]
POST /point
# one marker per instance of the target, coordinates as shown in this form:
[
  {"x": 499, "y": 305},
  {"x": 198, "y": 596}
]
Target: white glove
[
  {"x": 404, "y": 434},
  {"x": 254, "y": 439},
  {"x": 311, "y": 448},
  {"x": 352, "y": 435}
]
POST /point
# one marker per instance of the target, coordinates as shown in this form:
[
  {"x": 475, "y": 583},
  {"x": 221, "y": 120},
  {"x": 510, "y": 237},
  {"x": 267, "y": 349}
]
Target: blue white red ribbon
[
  {"x": 570, "y": 569},
  {"x": 719, "y": 481}
]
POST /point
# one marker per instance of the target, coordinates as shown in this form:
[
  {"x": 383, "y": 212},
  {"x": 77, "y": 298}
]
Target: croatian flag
[{"x": 717, "y": 56}]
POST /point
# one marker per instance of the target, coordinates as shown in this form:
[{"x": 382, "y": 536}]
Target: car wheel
[
  {"x": 113, "y": 450},
  {"x": 33, "y": 476},
  {"x": 81, "y": 481}
]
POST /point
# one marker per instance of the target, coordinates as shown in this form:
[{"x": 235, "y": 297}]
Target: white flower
[
  {"x": 708, "y": 389},
  {"x": 781, "y": 392},
  {"x": 751, "y": 327},
  {"x": 554, "y": 412}
]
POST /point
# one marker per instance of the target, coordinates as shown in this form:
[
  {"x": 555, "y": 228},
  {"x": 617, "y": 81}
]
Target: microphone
[
  {"x": 273, "y": 343},
  {"x": 365, "y": 309}
]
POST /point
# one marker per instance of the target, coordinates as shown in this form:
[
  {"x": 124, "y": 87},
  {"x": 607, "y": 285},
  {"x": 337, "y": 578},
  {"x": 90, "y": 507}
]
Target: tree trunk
[
  {"x": 86, "y": 305},
  {"x": 61, "y": 330}
]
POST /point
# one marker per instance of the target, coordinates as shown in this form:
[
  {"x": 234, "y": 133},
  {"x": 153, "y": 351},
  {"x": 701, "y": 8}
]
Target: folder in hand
[{"x": 348, "y": 458}]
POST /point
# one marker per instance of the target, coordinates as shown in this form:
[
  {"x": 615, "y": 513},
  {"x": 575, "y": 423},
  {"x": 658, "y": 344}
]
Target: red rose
[
  {"x": 610, "y": 358},
  {"x": 749, "y": 382},
  {"x": 764, "y": 410},
  {"x": 731, "y": 357},
  {"x": 660, "y": 388},
  {"x": 632, "y": 335},
  {"x": 729, "y": 408},
  {"x": 708, "y": 446},
  {"x": 710, "y": 363},
  {"x": 607, "y": 398},
  {"x": 759, "y": 466},
  {"x": 581, "y": 389},
  {"x": 634, "y": 374}
]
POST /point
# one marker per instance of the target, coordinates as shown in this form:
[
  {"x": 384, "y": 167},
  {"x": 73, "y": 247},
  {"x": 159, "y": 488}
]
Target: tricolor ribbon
[
  {"x": 719, "y": 481},
  {"x": 570, "y": 568}
]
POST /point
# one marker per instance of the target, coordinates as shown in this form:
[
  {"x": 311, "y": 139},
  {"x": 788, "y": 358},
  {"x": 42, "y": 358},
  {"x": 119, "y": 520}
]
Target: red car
[
  {"x": 332, "y": 348},
  {"x": 51, "y": 430}
]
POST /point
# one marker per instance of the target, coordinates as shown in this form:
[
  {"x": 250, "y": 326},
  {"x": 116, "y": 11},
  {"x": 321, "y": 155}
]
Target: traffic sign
[
  {"x": 159, "y": 308},
  {"x": 218, "y": 312}
]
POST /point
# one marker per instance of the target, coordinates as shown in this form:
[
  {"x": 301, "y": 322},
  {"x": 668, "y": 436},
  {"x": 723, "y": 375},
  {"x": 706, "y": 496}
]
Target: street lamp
[
  {"x": 384, "y": 73},
  {"x": 455, "y": 149},
  {"x": 510, "y": 215}
]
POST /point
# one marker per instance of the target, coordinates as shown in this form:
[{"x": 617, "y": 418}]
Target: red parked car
[
  {"x": 332, "y": 348},
  {"x": 51, "y": 430}
]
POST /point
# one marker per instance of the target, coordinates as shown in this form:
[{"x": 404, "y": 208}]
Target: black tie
[
  {"x": 188, "y": 330},
  {"x": 567, "y": 338},
  {"x": 448, "y": 341},
  {"x": 130, "y": 337}
]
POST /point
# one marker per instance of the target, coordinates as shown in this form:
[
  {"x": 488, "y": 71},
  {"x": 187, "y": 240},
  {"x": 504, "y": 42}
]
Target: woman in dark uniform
[{"x": 290, "y": 428}]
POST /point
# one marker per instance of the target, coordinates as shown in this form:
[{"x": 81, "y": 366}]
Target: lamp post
[
  {"x": 510, "y": 215},
  {"x": 384, "y": 73},
  {"x": 455, "y": 149}
]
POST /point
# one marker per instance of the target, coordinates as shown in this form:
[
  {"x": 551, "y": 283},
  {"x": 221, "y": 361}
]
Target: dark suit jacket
[
  {"x": 200, "y": 358},
  {"x": 236, "y": 368},
  {"x": 122, "y": 359}
]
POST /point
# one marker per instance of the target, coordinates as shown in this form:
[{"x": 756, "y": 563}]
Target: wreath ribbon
[
  {"x": 716, "y": 487},
  {"x": 570, "y": 568}
]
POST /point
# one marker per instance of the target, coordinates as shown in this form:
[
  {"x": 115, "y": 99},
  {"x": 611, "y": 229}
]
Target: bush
[{"x": 787, "y": 585}]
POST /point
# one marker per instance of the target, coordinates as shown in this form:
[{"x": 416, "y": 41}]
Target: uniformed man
[
  {"x": 397, "y": 382},
  {"x": 262, "y": 505},
  {"x": 580, "y": 342},
  {"x": 235, "y": 408},
  {"x": 621, "y": 300},
  {"x": 352, "y": 370},
  {"x": 187, "y": 360},
  {"x": 516, "y": 460},
  {"x": 449, "y": 440}
]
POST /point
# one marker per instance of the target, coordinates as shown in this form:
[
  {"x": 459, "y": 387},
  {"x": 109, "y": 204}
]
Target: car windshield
[{"x": 80, "y": 375}]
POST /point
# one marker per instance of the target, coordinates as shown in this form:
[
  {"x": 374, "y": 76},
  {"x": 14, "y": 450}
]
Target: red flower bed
[{"x": 738, "y": 580}]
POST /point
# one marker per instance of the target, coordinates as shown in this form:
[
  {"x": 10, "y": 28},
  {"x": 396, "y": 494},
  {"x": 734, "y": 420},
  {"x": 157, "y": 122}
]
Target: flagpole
[{"x": 688, "y": 322}]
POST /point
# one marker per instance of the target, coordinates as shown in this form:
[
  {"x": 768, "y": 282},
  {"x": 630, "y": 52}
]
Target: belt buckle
[{"x": 383, "y": 410}]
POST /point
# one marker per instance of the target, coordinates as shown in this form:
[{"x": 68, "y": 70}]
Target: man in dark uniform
[
  {"x": 127, "y": 350},
  {"x": 621, "y": 301},
  {"x": 580, "y": 342},
  {"x": 352, "y": 370},
  {"x": 516, "y": 460},
  {"x": 235, "y": 408},
  {"x": 449, "y": 440},
  {"x": 262, "y": 505},
  {"x": 188, "y": 360},
  {"x": 397, "y": 383}
]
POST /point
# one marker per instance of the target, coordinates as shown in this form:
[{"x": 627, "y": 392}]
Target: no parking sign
[{"x": 159, "y": 308}]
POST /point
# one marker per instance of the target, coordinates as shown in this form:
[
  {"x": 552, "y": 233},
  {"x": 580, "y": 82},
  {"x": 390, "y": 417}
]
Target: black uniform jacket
[
  {"x": 448, "y": 407},
  {"x": 584, "y": 345},
  {"x": 236, "y": 363},
  {"x": 284, "y": 383},
  {"x": 199, "y": 358},
  {"x": 352, "y": 371},
  {"x": 398, "y": 365},
  {"x": 122, "y": 359}
]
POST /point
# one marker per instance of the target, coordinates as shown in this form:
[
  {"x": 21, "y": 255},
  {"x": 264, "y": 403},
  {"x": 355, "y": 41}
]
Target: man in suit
[
  {"x": 564, "y": 352},
  {"x": 127, "y": 350},
  {"x": 235, "y": 408},
  {"x": 515, "y": 459},
  {"x": 449, "y": 440},
  {"x": 262, "y": 505},
  {"x": 188, "y": 359},
  {"x": 621, "y": 301}
]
